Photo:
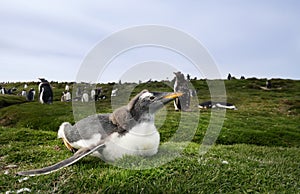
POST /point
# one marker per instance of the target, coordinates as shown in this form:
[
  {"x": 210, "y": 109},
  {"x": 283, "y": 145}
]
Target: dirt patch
[{"x": 7, "y": 120}]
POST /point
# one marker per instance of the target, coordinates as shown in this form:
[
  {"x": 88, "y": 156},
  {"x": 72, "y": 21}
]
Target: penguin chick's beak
[
  {"x": 161, "y": 99},
  {"x": 167, "y": 97},
  {"x": 173, "y": 95}
]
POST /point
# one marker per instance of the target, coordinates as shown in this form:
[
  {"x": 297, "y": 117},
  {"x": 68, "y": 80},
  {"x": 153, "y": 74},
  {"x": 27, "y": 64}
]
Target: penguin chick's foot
[{"x": 73, "y": 150}]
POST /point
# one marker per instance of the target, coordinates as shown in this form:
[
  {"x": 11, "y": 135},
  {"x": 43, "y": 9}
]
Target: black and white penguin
[
  {"x": 181, "y": 85},
  {"x": 45, "y": 92},
  {"x": 98, "y": 93},
  {"x": 229, "y": 76},
  {"x": 93, "y": 93},
  {"x": 85, "y": 97},
  {"x": 24, "y": 93},
  {"x": 268, "y": 84},
  {"x": 221, "y": 105},
  {"x": 67, "y": 88},
  {"x": 3, "y": 90},
  {"x": 114, "y": 92},
  {"x": 11, "y": 90},
  {"x": 31, "y": 94},
  {"x": 68, "y": 97},
  {"x": 129, "y": 130}
]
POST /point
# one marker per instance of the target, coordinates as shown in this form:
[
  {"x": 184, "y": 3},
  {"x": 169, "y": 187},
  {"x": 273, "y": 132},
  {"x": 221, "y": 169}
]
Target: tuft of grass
[
  {"x": 8, "y": 100},
  {"x": 37, "y": 116}
]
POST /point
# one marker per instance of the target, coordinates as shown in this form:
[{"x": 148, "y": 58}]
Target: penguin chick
[{"x": 129, "y": 130}]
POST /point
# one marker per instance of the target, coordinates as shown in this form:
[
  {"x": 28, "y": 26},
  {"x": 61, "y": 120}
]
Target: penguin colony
[{"x": 129, "y": 130}]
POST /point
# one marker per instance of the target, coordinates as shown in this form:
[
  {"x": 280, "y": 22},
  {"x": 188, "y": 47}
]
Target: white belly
[
  {"x": 41, "y": 96},
  {"x": 142, "y": 140},
  {"x": 84, "y": 143}
]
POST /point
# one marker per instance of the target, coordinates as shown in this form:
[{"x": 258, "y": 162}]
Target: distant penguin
[
  {"x": 85, "y": 97},
  {"x": 11, "y": 90},
  {"x": 63, "y": 97},
  {"x": 67, "y": 96},
  {"x": 2, "y": 90},
  {"x": 93, "y": 93},
  {"x": 67, "y": 88},
  {"x": 229, "y": 76},
  {"x": 114, "y": 92},
  {"x": 181, "y": 85},
  {"x": 220, "y": 105},
  {"x": 31, "y": 94},
  {"x": 45, "y": 92},
  {"x": 268, "y": 84},
  {"x": 23, "y": 93},
  {"x": 98, "y": 93}
]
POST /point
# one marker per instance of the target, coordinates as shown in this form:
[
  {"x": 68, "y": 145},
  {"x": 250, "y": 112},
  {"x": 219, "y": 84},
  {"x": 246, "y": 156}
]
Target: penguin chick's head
[{"x": 149, "y": 102}]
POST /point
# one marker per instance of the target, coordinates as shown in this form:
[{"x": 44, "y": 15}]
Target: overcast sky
[{"x": 51, "y": 38}]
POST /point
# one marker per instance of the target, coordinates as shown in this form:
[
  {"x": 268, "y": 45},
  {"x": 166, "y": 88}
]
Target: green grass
[
  {"x": 250, "y": 169},
  {"x": 260, "y": 141},
  {"x": 7, "y": 100}
]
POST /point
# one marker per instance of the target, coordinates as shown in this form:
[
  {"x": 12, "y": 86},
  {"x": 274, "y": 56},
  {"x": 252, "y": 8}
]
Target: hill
[
  {"x": 263, "y": 117},
  {"x": 256, "y": 151}
]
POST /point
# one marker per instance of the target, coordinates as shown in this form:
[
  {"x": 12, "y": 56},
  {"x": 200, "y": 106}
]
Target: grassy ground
[{"x": 257, "y": 151}]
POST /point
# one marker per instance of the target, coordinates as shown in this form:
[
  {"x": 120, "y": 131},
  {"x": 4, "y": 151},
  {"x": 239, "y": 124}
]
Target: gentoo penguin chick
[
  {"x": 129, "y": 130},
  {"x": 45, "y": 92}
]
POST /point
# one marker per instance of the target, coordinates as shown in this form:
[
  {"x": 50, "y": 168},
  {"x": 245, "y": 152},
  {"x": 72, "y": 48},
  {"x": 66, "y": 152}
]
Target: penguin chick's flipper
[{"x": 81, "y": 153}]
